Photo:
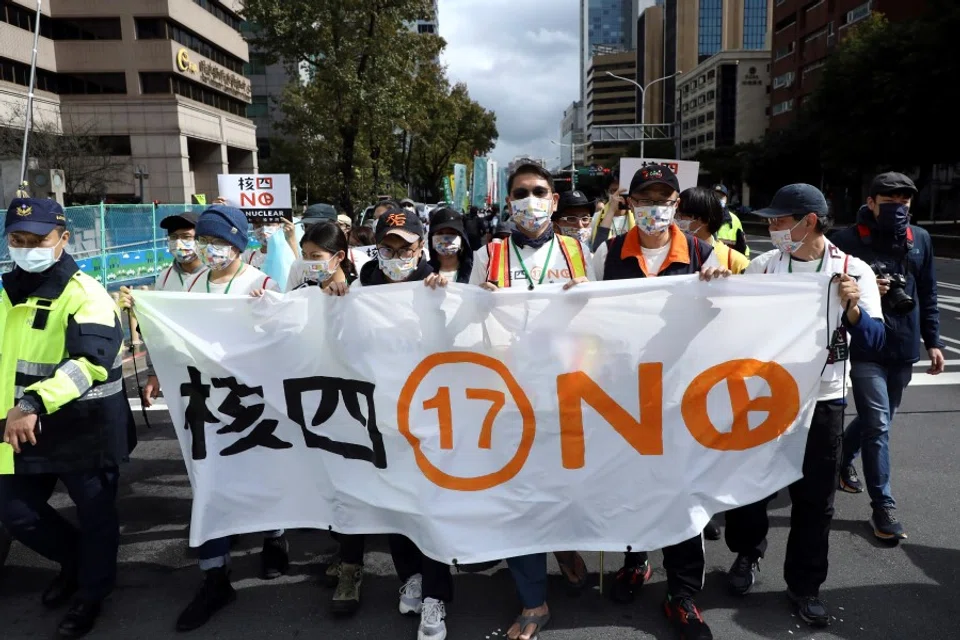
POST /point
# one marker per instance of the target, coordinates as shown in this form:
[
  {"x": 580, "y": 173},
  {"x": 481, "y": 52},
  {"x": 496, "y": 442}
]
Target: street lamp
[
  {"x": 141, "y": 173},
  {"x": 573, "y": 158},
  {"x": 643, "y": 102},
  {"x": 295, "y": 204}
]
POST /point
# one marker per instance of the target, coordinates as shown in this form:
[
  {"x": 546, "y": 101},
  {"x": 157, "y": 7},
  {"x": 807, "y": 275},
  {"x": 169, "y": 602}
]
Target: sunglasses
[{"x": 538, "y": 192}]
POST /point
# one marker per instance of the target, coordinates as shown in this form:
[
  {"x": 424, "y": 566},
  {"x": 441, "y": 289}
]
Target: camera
[{"x": 896, "y": 298}]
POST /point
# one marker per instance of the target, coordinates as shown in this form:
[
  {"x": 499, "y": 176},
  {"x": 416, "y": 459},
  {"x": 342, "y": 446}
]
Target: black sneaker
[
  {"x": 628, "y": 581},
  {"x": 849, "y": 480},
  {"x": 60, "y": 590},
  {"x": 711, "y": 531},
  {"x": 274, "y": 559},
  {"x": 214, "y": 594},
  {"x": 687, "y": 619},
  {"x": 886, "y": 526},
  {"x": 811, "y": 609},
  {"x": 80, "y": 620},
  {"x": 742, "y": 574}
]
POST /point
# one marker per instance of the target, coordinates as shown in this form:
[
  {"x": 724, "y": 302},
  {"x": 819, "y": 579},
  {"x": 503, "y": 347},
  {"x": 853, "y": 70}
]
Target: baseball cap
[
  {"x": 891, "y": 182},
  {"x": 185, "y": 220},
  {"x": 446, "y": 218},
  {"x": 399, "y": 222},
  {"x": 35, "y": 215},
  {"x": 796, "y": 199},
  {"x": 407, "y": 202},
  {"x": 654, "y": 174},
  {"x": 573, "y": 200},
  {"x": 344, "y": 219},
  {"x": 318, "y": 212},
  {"x": 719, "y": 188}
]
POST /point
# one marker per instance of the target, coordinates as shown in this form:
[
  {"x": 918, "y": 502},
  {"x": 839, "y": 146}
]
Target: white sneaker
[
  {"x": 411, "y": 595},
  {"x": 432, "y": 626}
]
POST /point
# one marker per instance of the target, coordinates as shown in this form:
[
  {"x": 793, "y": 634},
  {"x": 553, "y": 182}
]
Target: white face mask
[
  {"x": 723, "y": 202},
  {"x": 784, "y": 241},
  {"x": 583, "y": 235},
  {"x": 35, "y": 260},
  {"x": 265, "y": 232},
  {"x": 687, "y": 226},
  {"x": 654, "y": 219},
  {"x": 532, "y": 214},
  {"x": 398, "y": 269}
]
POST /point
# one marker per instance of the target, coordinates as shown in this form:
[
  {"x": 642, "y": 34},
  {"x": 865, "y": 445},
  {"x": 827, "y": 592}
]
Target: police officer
[
  {"x": 67, "y": 416},
  {"x": 731, "y": 232}
]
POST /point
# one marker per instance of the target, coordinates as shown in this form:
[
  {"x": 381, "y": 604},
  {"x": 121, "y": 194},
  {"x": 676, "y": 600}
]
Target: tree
[
  {"x": 362, "y": 58},
  {"x": 89, "y": 166}
]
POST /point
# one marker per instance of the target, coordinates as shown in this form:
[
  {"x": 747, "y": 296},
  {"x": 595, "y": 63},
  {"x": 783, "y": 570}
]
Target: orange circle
[
  {"x": 441, "y": 478},
  {"x": 266, "y": 199}
]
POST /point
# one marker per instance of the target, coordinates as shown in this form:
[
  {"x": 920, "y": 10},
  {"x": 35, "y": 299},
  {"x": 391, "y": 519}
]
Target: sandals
[
  {"x": 539, "y": 621},
  {"x": 576, "y": 586}
]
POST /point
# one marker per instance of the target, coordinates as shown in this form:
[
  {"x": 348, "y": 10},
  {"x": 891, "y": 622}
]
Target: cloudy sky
[{"x": 520, "y": 60}]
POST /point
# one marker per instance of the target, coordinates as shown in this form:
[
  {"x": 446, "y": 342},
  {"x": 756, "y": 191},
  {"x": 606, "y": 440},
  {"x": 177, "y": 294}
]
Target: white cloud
[{"x": 520, "y": 60}]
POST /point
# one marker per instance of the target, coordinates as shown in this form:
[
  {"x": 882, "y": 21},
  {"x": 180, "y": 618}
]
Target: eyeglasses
[
  {"x": 216, "y": 242},
  {"x": 646, "y": 202},
  {"x": 189, "y": 235},
  {"x": 392, "y": 254},
  {"x": 575, "y": 219},
  {"x": 521, "y": 193}
]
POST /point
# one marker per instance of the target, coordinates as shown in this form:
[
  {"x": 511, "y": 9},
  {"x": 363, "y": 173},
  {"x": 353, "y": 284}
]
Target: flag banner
[
  {"x": 502, "y": 188},
  {"x": 459, "y": 187},
  {"x": 447, "y": 191},
  {"x": 488, "y": 425},
  {"x": 479, "y": 191}
]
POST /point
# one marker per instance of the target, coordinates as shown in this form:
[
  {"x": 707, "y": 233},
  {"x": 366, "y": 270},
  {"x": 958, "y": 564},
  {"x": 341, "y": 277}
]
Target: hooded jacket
[{"x": 465, "y": 255}]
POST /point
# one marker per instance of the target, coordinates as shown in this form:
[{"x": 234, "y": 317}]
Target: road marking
[
  {"x": 942, "y": 380},
  {"x": 949, "y": 285},
  {"x": 136, "y": 405}
]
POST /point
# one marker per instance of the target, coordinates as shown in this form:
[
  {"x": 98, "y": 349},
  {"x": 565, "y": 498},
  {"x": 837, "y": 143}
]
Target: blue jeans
[
  {"x": 215, "y": 553},
  {"x": 530, "y": 575},
  {"x": 877, "y": 392}
]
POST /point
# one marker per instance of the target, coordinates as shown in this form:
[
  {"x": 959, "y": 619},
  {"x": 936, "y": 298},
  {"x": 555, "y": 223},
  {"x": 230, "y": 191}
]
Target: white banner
[
  {"x": 687, "y": 171},
  {"x": 486, "y": 425}
]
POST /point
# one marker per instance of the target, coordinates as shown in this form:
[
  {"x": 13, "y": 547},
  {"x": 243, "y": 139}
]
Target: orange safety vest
[{"x": 498, "y": 266}]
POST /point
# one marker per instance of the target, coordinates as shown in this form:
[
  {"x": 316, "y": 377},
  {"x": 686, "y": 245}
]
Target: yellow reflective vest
[
  {"x": 728, "y": 232},
  {"x": 60, "y": 348},
  {"x": 498, "y": 266}
]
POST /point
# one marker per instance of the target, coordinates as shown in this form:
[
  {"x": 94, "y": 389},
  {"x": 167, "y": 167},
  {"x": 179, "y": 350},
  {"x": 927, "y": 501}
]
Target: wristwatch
[{"x": 28, "y": 405}]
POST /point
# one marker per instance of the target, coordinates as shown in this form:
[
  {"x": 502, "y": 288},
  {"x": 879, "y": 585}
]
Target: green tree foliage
[{"x": 365, "y": 71}]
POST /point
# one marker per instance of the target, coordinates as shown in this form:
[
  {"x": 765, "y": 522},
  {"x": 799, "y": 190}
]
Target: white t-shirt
[
  {"x": 254, "y": 258},
  {"x": 653, "y": 257},
  {"x": 450, "y": 275},
  {"x": 174, "y": 279},
  {"x": 832, "y": 384},
  {"x": 246, "y": 280},
  {"x": 534, "y": 260}
]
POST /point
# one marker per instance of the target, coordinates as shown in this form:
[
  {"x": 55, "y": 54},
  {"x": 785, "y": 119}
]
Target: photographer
[{"x": 901, "y": 256}]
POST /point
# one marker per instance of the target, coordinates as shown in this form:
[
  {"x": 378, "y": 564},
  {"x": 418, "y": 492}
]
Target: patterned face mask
[
  {"x": 446, "y": 245},
  {"x": 218, "y": 257},
  {"x": 397, "y": 269},
  {"x": 654, "y": 219},
  {"x": 532, "y": 214},
  {"x": 583, "y": 235},
  {"x": 320, "y": 269},
  {"x": 183, "y": 250}
]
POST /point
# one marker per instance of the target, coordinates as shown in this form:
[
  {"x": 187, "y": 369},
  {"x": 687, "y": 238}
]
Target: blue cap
[
  {"x": 318, "y": 212},
  {"x": 719, "y": 188},
  {"x": 796, "y": 200},
  {"x": 35, "y": 215},
  {"x": 226, "y": 223}
]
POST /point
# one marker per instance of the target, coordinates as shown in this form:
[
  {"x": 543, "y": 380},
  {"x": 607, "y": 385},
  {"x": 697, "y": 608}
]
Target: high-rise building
[
  {"x": 572, "y": 136},
  {"x": 610, "y": 101},
  {"x": 159, "y": 81},
  {"x": 650, "y": 63},
  {"x": 606, "y": 26},
  {"x": 805, "y": 33}
]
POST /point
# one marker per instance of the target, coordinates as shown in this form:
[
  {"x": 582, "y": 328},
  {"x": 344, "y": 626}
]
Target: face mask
[
  {"x": 723, "y": 202},
  {"x": 531, "y": 214},
  {"x": 183, "y": 250},
  {"x": 447, "y": 245},
  {"x": 397, "y": 269},
  {"x": 320, "y": 269},
  {"x": 654, "y": 219},
  {"x": 683, "y": 225},
  {"x": 36, "y": 260},
  {"x": 265, "y": 232},
  {"x": 784, "y": 241},
  {"x": 217, "y": 257},
  {"x": 583, "y": 235},
  {"x": 893, "y": 216}
]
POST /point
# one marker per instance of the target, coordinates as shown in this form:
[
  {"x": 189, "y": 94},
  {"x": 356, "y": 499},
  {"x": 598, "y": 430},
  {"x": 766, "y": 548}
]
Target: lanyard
[
  {"x": 227, "y": 290},
  {"x": 819, "y": 266},
  {"x": 546, "y": 265}
]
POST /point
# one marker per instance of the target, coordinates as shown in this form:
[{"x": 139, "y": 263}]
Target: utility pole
[
  {"x": 643, "y": 103},
  {"x": 28, "y": 124}
]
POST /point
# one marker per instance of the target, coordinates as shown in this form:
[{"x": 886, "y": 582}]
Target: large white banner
[{"x": 486, "y": 425}]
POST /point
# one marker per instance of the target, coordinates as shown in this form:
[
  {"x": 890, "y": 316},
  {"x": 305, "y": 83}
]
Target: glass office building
[
  {"x": 755, "y": 24},
  {"x": 608, "y": 24},
  {"x": 710, "y": 32}
]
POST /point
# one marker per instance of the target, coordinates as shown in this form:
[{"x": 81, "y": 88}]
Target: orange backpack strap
[{"x": 573, "y": 254}]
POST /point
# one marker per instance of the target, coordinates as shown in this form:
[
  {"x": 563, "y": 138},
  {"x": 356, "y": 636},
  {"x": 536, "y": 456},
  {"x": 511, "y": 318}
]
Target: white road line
[
  {"x": 942, "y": 380},
  {"x": 950, "y": 339},
  {"x": 949, "y": 285},
  {"x": 136, "y": 405}
]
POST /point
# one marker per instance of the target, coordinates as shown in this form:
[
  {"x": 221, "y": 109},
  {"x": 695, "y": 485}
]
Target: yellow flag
[{"x": 6, "y": 459}]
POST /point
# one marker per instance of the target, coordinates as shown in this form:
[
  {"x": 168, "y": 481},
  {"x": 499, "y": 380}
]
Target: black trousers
[
  {"x": 808, "y": 544},
  {"x": 351, "y": 547},
  {"x": 408, "y": 560},
  {"x": 684, "y": 564},
  {"x": 90, "y": 552}
]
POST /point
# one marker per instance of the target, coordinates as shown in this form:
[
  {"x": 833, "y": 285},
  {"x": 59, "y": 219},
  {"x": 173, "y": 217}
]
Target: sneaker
[
  {"x": 628, "y": 581},
  {"x": 885, "y": 524},
  {"x": 274, "y": 558},
  {"x": 811, "y": 609},
  {"x": 346, "y": 599},
  {"x": 411, "y": 595},
  {"x": 849, "y": 480},
  {"x": 214, "y": 594},
  {"x": 711, "y": 531},
  {"x": 742, "y": 574},
  {"x": 687, "y": 619},
  {"x": 432, "y": 626},
  {"x": 331, "y": 576}
]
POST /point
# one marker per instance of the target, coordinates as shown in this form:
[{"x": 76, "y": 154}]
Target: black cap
[
  {"x": 796, "y": 200},
  {"x": 318, "y": 212},
  {"x": 573, "y": 200},
  {"x": 446, "y": 218},
  {"x": 891, "y": 182},
  {"x": 654, "y": 174},
  {"x": 35, "y": 215},
  {"x": 399, "y": 222},
  {"x": 185, "y": 220}
]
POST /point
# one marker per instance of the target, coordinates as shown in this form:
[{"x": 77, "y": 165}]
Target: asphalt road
[{"x": 875, "y": 591}]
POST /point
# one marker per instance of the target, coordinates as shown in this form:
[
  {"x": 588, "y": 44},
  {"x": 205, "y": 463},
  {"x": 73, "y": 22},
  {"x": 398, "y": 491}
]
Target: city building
[
  {"x": 650, "y": 64},
  {"x": 606, "y": 26},
  {"x": 429, "y": 25},
  {"x": 723, "y": 101},
  {"x": 805, "y": 33},
  {"x": 267, "y": 82},
  {"x": 160, "y": 82},
  {"x": 572, "y": 137},
  {"x": 609, "y": 102}
]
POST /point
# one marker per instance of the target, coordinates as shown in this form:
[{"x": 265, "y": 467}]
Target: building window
[
  {"x": 263, "y": 148},
  {"x": 701, "y": 100},
  {"x": 259, "y": 108},
  {"x": 819, "y": 33},
  {"x": 783, "y": 107},
  {"x": 711, "y": 74},
  {"x": 711, "y": 94},
  {"x": 701, "y": 138},
  {"x": 256, "y": 66},
  {"x": 784, "y": 80},
  {"x": 87, "y": 29},
  {"x": 155, "y": 83},
  {"x": 92, "y": 83},
  {"x": 221, "y": 13},
  {"x": 784, "y": 51},
  {"x": 167, "y": 83},
  {"x": 857, "y": 14},
  {"x": 151, "y": 29},
  {"x": 116, "y": 145},
  {"x": 701, "y": 120},
  {"x": 205, "y": 48},
  {"x": 755, "y": 24},
  {"x": 710, "y": 37},
  {"x": 19, "y": 73},
  {"x": 709, "y": 136},
  {"x": 710, "y": 116},
  {"x": 785, "y": 23},
  {"x": 425, "y": 28}
]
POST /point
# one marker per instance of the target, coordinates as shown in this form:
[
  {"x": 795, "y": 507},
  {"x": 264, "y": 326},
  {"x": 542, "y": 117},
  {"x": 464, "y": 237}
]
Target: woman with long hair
[
  {"x": 326, "y": 259},
  {"x": 450, "y": 252}
]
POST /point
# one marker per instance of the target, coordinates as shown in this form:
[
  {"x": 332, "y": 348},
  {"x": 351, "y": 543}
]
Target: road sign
[{"x": 263, "y": 198}]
